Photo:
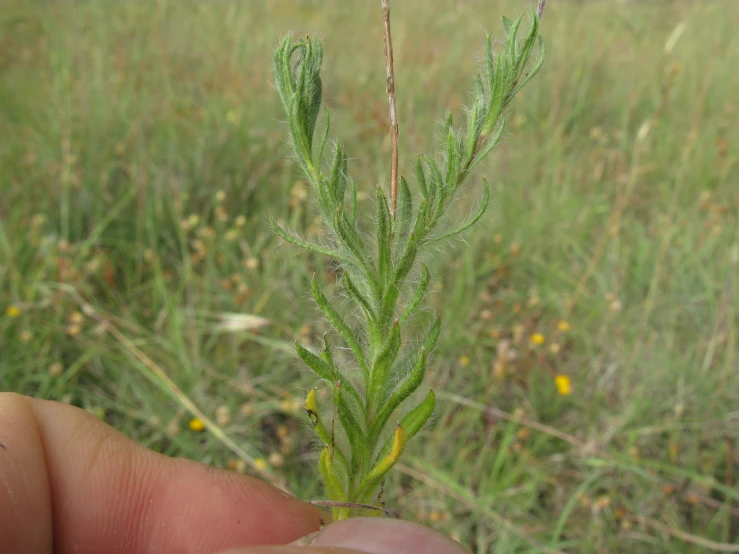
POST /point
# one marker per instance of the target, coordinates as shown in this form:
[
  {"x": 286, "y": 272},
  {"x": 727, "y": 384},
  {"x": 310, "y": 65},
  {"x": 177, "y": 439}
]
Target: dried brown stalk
[
  {"x": 540, "y": 8},
  {"x": 390, "y": 86}
]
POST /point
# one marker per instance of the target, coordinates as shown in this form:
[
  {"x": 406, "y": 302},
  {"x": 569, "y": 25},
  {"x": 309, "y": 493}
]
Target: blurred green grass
[{"x": 142, "y": 151}]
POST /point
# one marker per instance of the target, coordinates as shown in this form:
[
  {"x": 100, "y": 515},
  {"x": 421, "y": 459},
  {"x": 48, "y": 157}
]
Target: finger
[
  {"x": 293, "y": 550},
  {"x": 369, "y": 536},
  {"x": 70, "y": 483}
]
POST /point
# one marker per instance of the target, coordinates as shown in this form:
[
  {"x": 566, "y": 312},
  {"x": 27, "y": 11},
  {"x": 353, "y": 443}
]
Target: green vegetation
[
  {"x": 141, "y": 155},
  {"x": 375, "y": 270}
]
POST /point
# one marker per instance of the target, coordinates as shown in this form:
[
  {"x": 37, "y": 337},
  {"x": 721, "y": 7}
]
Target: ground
[{"x": 586, "y": 372}]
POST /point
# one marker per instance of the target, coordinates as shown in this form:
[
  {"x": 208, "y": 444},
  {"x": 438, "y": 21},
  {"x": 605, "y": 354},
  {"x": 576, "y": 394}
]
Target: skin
[{"x": 72, "y": 484}]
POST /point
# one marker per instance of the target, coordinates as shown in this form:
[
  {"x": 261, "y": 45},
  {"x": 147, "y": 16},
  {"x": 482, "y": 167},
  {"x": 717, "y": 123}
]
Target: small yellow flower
[
  {"x": 276, "y": 459},
  {"x": 173, "y": 428},
  {"x": 223, "y": 416},
  {"x": 563, "y": 384},
  {"x": 233, "y": 117},
  {"x": 13, "y": 311},
  {"x": 196, "y": 424},
  {"x": 464, "y": 360},
  {"x": 55, "y": 369},
  {"x": 563, "y": 326},
  {"x": 289, "y": 406},
  {"x": 537, "y": 338},
  {"x": 260, "y": 463},
  {"x": 76, "y": 318},
  {"x": 235, "y": 464}
]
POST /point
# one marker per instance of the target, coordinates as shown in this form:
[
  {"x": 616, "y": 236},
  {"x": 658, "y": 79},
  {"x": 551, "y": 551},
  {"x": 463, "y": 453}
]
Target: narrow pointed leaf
[
  {"x": 341, "y": 327},
  {"x": 355, "y": 433},
  {"x": 417, "y": 295},
  {"x": 453, "y": 158},
  {"x": 534, "y": 70},
  {"x": 433, "y": 334},
  {"x": 436, "y": 184},
  {"x": 413, "y": 421},
  {"x": 403, "y": 391},
  {"x": 352, "y": 202},
  {"x": 299, "y": 241},
  {"x": 315, "y": 93},
  {"x": 512, "y": 43},
  {"x": 367, "y": 487},
  {"x": 359, "y": 297},
  {"x": 474, "y": 127},
  {"x": 384, "y": 230},
  {"x": 351, "y": 239},
  {"x": 474, "y": 218},
  {"x": 421, "y": 178},
  {"x": 381, "y": 368},
  {"x": 319, "y": 366},
  {"x": 324, "y": 138},
  {"x": 337, "y": 179},
  {"x": 392, "y": 292},
  {"x": 529, "y": 43},
  {"x": 334, "y": 490},
  {"x": 490, "y": 143},
  {"x": 489, "y": 64},
  {"x": 326, "y": 356},
  {"x": 405, "y": 211},
  {"x": 311, "y": 408}
]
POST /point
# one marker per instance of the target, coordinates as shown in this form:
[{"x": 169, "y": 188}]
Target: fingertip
[
  {"x": 107, "y": 490},
  {"x": 366, "y": 536},
  {"x": 386, "y": 536}
]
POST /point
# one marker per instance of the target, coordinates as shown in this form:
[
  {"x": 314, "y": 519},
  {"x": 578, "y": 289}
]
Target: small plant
[{"x": 360, "y": 436}]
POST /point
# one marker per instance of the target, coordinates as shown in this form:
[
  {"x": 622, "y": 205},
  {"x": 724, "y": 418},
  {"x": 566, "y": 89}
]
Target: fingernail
[{"x": 386, "y": 536}]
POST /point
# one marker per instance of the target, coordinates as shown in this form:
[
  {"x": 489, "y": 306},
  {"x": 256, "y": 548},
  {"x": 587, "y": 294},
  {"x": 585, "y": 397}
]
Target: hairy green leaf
[
  {"x": 421, "y": 178},
  {"x": 474, "y": 218},
  {"x": 341, "y": 327},
  {"x": 412, "y": 381},
  {"x": 384, "y": 231},
  {"x": 298, "y": 241},
  {"x": 381, "y": 368},
  {"x": 324, "y": 137},
  {"x": 417, "y": 295},
  {"x": 354, "y": 430},
  {"x": 337, "y": 180},
  {"x": 319, "y": 366},
  {"x": 405, "y": 209}
]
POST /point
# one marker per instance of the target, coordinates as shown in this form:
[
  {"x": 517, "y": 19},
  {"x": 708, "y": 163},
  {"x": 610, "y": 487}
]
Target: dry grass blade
[
  {"x": 496, "y": 412},
  {"x": 472, "y": 505},
  {"x": 394, "y": 133},
  {"x": 540, "y": 8},
  {"x": 234, "y": 322},
  {"x": 158, "y": 374},
  {"x": 713, "y": 546},
  {"x": 355, "y": 506}
]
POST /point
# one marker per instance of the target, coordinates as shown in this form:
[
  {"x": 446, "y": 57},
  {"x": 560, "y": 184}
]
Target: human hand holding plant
[
  {"x": 71, "y": 483},
  {"x": 384, "y": 370}
]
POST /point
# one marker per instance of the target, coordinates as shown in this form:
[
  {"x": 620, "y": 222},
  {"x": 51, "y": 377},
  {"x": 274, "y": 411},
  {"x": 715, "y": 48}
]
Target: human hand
[{"x": 70, "y": 483}]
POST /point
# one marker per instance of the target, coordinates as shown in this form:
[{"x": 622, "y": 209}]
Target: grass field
[{"x": 142, "y": 149}]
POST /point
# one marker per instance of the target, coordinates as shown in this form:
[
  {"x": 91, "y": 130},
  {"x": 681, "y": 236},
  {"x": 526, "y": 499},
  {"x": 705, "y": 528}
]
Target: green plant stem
[{"x": 375, "y": 269}]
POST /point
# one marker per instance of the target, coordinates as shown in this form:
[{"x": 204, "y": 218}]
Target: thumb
[{"x": 369, "y": 536}]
